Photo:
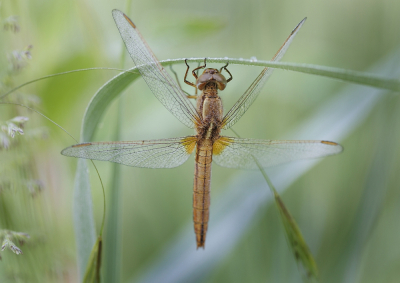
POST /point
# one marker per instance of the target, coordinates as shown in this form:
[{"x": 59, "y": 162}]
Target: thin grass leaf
[
  {"x": 235, "y": 209},
  {"x": 83, "y": 213},
  {"x": 92, "y": 274},
  {"x": 112, "y": 246},
  {"x": 85, "y": 232},
  {"x": 4, "y": 95},
  {"x": 297, "y": 243},
  {"x": 102, "y": 99},
  {"x": 363, "y": 78}
]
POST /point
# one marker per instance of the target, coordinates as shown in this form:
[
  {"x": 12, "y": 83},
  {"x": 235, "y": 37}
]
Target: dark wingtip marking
[
  {"x": 82, "y": 144},
  {"x": 129, "y": 21},
  {"x": 299, "y": 24},
  {"x": 329, "y": 143}
]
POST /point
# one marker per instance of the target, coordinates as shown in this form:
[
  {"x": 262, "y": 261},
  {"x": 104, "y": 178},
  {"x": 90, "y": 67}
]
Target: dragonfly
[{"x": 207, "y": 118}]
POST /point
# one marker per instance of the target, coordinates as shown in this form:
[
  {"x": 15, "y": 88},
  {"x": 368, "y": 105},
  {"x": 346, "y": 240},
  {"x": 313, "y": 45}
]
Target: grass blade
[
  {"x": 363, "y": 78},
  {"x": 296, "y": 240},
  {"x": 85, "y": 233},
  {"x": 83, "y": 214},
  {"x": 92, "y": 274}
]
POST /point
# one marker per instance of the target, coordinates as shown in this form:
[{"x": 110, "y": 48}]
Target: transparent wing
[
  {"x": 238, "y": 153},
  {"x": 244, "y": 102},
  {"x": 165, "y": 153},
  {"x": 156, "y": 77}
]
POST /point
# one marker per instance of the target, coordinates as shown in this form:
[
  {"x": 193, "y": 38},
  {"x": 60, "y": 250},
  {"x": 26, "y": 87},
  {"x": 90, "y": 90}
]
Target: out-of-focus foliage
[
  {"x": 7, "y": 237},
  {"x": 347, "y": 207},
  {"x": 92, "y": 274}
]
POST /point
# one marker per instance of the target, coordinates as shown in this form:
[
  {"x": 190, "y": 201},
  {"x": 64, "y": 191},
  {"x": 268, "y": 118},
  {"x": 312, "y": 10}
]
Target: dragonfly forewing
[
  {"x": 157, "y": 78},
  {"x": 244, "y": 102}
]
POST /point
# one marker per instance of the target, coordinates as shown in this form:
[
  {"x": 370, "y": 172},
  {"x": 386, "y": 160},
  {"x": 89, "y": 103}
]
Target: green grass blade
[
  {"x": 92, "y": 274},
  {"x": 112, "y": 243},
  {"x": 102, "y": 99},
  {"x": 297, "y": 243},
  {"x": 85, "y": 233},
  {"x": 2, "y": 96},
  {"x": 82, "y": 203},
  {"x": 388, "y": 82}
]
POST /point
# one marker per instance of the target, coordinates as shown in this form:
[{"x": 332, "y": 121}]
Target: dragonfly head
[{"x": 211, "y": 76}]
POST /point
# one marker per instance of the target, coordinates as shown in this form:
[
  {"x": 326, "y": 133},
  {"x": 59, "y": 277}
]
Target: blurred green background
[{"x": 347, "y": 207}]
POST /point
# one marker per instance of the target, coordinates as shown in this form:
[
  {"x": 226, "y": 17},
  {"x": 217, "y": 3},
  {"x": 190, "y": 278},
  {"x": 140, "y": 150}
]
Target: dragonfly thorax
[
  {"x": 210, "y": 90},
  {"x": 209, "y": 106}
]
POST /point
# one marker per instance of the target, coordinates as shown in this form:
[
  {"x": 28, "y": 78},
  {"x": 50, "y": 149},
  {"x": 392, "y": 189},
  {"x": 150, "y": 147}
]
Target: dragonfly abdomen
[{"x": 201, "y": 191}]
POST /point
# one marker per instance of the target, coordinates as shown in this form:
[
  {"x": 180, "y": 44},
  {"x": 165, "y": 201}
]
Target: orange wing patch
[
  {"x": 189, "y": 143},
  {"x": 220, "y": 144}
]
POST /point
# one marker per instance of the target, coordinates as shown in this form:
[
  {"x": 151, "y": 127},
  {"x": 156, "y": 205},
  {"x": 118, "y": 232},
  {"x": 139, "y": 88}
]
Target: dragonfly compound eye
[{"x": 211, "y": 76}]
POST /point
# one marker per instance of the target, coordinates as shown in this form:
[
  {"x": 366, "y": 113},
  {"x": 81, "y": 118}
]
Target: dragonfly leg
[
  {"x": 197, "y": 73},
  {"x": 194, "y": 72},
  {"x": 176, "y": 77},
  {"x": 185, "y": 80},
  {"x": 224, "y": 67}
]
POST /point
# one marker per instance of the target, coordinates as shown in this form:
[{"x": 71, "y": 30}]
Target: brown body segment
[
  {"x": 201, "y": 191},
  {"x": 209, "y": 108}
]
